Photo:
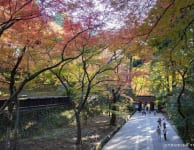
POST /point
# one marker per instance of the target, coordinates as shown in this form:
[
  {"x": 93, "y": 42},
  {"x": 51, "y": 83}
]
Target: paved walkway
[{"x": 139, "y": 133}]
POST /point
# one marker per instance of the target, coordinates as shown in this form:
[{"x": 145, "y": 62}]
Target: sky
[
  {"x": 111, "y": 13},
  {"x": 114, "y": 16}
]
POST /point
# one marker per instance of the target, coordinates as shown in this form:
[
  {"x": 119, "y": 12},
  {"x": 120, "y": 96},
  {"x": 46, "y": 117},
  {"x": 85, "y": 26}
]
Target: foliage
[
  {"x": 171, "y": 23},
  {"x": 34, "y": 46},
  {"x": 158, "y": 80},
  {"x": 62, "y": 42}
]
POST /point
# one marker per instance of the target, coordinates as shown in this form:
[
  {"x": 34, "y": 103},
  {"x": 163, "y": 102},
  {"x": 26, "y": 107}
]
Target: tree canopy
[{"x": 90, "y": 46}]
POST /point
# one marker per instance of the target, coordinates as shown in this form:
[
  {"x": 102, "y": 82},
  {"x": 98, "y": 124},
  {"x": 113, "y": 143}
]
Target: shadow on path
[{"x": 139, "y": 133}]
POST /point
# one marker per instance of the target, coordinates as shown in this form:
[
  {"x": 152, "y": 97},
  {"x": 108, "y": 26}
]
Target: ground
[
  {"x": 64, "y": 139},
  {"x": 139, "y": 133}
]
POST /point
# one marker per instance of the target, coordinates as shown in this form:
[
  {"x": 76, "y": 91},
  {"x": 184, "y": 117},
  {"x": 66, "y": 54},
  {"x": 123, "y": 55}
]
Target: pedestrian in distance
[
  {"x": 164, "y": 123},
  {"x": 158, "y": 130},
  {"x": 165, "y": 132},
  {"x": 149, "y": 111},
  {"x": 154, "y": 112},
  {"x": 143, "y": 112},
  {"x": 159, "y": 121}
]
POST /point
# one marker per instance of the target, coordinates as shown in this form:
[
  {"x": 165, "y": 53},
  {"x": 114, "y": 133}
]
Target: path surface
[{"x": 139, "y": 133}]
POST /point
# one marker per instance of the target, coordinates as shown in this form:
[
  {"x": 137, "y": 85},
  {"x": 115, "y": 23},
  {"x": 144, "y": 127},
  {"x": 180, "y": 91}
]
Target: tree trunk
[
  {"x": 8, "y": 140},
  {"x": 15, "y": 142},
  {"x": 168, "y": 81},
  {"x": 9, "y": 126},
  {"x": 113, "y": 116},
  {"x": 109, "y": 108},
  {"x": 78, "y": 123},
  {"x": 173, "y": 79},
  {"x": 173, "y": 65}
]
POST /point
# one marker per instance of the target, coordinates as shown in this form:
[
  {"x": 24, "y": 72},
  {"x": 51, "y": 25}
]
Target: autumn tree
[
  {"x": 86, "y": 73},
  {"x": 171, "y": 39},
  {"x": 30, "y": 43},
  {"x": 13, "y": 12}
]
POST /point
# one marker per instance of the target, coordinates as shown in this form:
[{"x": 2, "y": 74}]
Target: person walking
[
  {"x": 159, "y": 121},
  {"x": 154, "y": 112},
  {"x": 164, "y": 132},
  {"x": 159, "y": 132},
  {"x": 164, "y": 123}
]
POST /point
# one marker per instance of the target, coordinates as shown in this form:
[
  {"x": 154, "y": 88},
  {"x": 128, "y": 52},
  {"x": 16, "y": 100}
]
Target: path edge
[{"x": 102, "y": 142}]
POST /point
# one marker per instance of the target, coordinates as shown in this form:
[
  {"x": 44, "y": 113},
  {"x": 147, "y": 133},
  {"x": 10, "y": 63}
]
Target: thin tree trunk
[
  {"x": 9, "y": 125},
  {"x": 173, "y": 65},
  {"x": 17, "y": 116},
  {"x": 168, "y": 81},
  {"x": 79, "y": 139},
  {"x": 7, "y": 140},
  {"x": 109, "y": 108},
  {"x": 173, "y": 79},
  {"x": 113, "y": 116}
]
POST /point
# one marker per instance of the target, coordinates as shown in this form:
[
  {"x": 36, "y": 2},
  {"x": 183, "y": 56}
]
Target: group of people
[
  {"x": 161, "y": 128},
  {"x": 146, "y": 109}
]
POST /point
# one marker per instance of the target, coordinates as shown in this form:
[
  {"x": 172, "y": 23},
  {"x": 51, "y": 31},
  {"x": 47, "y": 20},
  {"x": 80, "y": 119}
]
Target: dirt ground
[{"x": 64, "y": 139}]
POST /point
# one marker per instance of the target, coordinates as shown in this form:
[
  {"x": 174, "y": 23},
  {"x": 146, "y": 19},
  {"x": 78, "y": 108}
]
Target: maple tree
[
  {"x": 34, "y": 47},
  {"x": 171, "y": 38},
  {"x": 13, "y": 12},
  {"x": 86, "y": 73},
  {"x": 38, "y": 36},
  {"x": 37, "y": 48},
  {"x": 165, "y": 35}
]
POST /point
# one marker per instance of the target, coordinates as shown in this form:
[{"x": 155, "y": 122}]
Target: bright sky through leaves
[{"x": 111, "y": 14}]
